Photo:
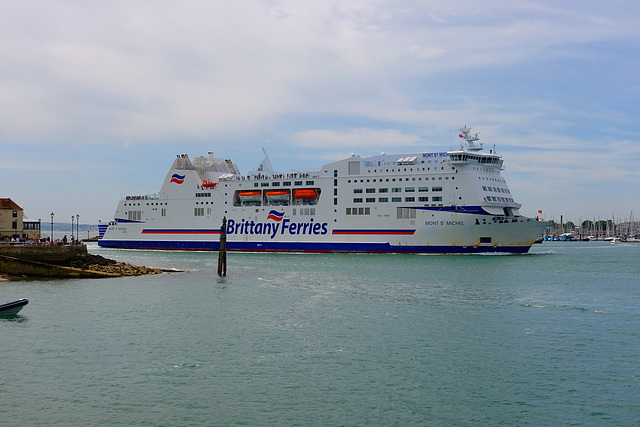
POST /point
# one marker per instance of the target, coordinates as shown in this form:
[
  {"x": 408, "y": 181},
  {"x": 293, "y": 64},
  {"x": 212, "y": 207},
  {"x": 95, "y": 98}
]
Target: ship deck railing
[
  {"x": 154, "y": 196},
  {"x": 273, "y": 176}
]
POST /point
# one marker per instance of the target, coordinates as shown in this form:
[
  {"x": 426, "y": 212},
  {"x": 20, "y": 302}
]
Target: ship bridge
[{"x": 470, "y": 153}]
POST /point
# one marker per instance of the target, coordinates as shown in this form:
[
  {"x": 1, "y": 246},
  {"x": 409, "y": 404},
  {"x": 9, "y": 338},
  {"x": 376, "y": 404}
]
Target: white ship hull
[{"x": 420, "y": 203}]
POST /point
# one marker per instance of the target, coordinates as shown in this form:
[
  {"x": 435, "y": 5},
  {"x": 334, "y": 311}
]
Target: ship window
[
  {"x": 423, "y": 199},
  {"x": 371, "y": 199},
  {"x": 198, "y": 211},
  {"x": 357, "y": 190},
  {"x": 286, "y": 184},
  {"x": 360, "y": 211},
  {"x": 396, "y": 199},
  {"x": 423, "y": 189},
  {"x": 436, "y": 199},
  {"x": 297, "y": 183},
  {"x": 255, "y": 184},
  {"x": 357, "y": 200},
  {"x": 309, "y": 182},
  {"x": 335, "y": 191},
  {"x": 371, "y": 190},
  {"x": 484, "y": 188},
  {"x": 409, "y": 199},
  {"x": 407, "y": 213},
  {"x": 409, "y": 189},
  {"x": 276, "y": 184},
  {"x": 264, "y": 184},
  {"x": 383, "y": 199},
  {"x": 383, "y": 190},
  {"x": 163, "y": 211},
  {"x": 436, "y": 188},
  {"x": 396, "y": 190}
]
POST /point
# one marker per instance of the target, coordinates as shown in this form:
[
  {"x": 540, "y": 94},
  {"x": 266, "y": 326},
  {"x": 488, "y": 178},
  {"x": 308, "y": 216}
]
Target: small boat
[
  {"x": 12, "y": 308},
  {"x": 208, "y": 184}
]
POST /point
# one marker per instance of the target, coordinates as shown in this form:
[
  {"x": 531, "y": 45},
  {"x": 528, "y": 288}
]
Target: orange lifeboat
[
  {"x": 307, "y": 193},
  {"x": 250, "y": 196},
  {"x": 277, "y": 196},
  {"x": 208, "y": 184}
]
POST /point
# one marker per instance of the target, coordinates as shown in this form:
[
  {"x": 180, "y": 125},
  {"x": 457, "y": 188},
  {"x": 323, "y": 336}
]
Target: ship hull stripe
[
  {"x": 179, "y": 231},
  {"x": 375, "y": 232},
  {"x": 308, "y": 247}
]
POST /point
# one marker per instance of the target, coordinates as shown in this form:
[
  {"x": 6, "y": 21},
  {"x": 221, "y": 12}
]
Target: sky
[{"x": 97, "y": 97}]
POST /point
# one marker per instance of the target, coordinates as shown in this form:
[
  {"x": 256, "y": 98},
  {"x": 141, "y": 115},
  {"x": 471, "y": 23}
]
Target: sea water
[{"x": 547, "y": 338}]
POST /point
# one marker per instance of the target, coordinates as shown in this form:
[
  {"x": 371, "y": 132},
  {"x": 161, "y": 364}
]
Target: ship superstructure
[{"x": 455, "y": 201}]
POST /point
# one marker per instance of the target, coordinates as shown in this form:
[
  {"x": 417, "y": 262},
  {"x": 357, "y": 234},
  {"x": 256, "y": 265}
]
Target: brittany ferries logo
[
  {"x": 280, "y": 225},
  {"x": 178, "y": 179},
  {"x": 275, "y": 215}
]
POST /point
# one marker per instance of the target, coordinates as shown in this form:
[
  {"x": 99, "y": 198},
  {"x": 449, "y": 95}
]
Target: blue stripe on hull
[{"x": 306, "y": 247}]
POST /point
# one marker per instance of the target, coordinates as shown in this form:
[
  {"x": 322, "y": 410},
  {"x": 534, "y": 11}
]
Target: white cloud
[{"x": 355, "y": 138}]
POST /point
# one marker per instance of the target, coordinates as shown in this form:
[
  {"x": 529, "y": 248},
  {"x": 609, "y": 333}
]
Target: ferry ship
[{"x": 424, "y": 202}]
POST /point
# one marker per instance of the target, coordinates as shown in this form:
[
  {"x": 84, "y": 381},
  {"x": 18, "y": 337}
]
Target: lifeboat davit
[
  {"x": 306, "y": 194},
  {"x": 277, "y": 196},
  {"x": 208, "y": 184},
  {"x": 250, "y": 196}
]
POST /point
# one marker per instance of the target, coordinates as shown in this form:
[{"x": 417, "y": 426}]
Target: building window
[{"x": 14, "y": 214}]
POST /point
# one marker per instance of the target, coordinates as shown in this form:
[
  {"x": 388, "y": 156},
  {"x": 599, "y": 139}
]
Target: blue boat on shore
[{"x": 12, "y": 308}]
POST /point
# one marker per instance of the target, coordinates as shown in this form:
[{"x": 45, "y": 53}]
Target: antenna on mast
[{"x": 467, "y": 136}]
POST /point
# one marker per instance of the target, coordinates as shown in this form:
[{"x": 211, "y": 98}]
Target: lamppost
[
  {"x": 72, "y": 230},
  {"x": 78, "y": 227},
  {"x": 52, "y": 227}
]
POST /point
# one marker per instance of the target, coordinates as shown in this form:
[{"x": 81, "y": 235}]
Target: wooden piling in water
[{"x": 222, "y": 252}]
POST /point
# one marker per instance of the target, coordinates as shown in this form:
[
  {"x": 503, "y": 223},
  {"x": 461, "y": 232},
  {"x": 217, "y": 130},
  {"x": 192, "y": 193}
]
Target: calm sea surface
[{"x": 548, "y": 338}]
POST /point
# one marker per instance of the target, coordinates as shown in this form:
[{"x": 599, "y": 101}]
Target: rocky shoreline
[
  {"x": 80, "y": 265},
  {"x": 105, "y": 265}
]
